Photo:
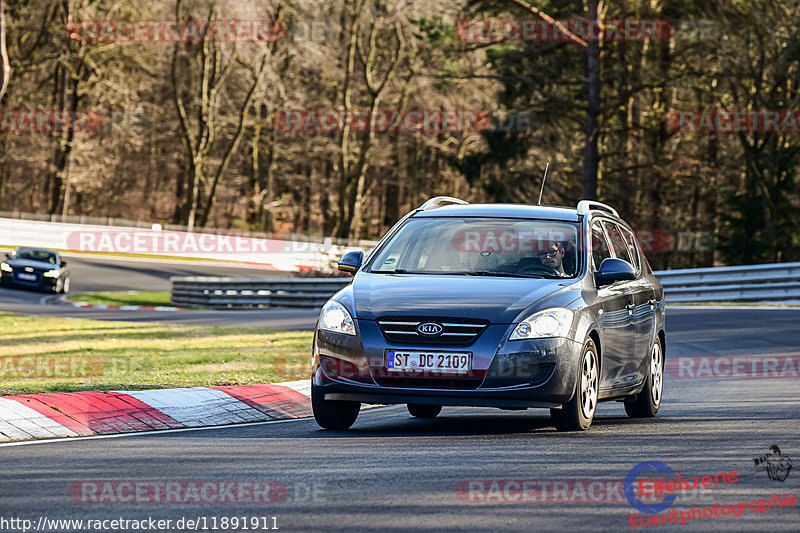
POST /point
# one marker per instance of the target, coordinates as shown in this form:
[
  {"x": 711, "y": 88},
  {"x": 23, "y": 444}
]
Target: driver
[{"x": 554, "y": 258}]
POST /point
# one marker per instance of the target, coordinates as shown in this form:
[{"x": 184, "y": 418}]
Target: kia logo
[{"x": 430, "y": 328}]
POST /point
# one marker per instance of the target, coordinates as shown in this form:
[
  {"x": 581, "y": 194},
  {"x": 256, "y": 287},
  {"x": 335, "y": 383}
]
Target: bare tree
[
  {"x": 355, "y": 163},
  {"x": 592, "y": 153},
  {"x": 201, "y": 136},
  {"x": 5, "y": 67}
]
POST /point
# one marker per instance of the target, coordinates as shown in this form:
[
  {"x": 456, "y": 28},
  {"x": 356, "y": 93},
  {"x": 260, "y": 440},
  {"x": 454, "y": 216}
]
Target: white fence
[{"x": 289, "y": 255}]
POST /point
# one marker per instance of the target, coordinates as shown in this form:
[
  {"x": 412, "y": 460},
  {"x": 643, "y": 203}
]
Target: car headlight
[
  {"x": 6, "y": 267},
  {"x": 554, "y": 322},
  {"x": 51, "y": 273},
  {"x": 335, "y": 317}
]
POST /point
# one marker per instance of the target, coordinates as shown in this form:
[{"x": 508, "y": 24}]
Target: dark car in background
[
  {"x": 509, "y": 306},
  {"x": 35, "y": 268}
]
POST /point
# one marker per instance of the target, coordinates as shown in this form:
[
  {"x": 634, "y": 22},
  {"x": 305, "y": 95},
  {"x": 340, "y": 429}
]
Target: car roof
[{"x": 547, "y": 212}]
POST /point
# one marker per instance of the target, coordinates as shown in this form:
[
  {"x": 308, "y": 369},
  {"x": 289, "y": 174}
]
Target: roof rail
[
  {"x": 584, "y": 206},
  {"x": 433, "y": 203}
]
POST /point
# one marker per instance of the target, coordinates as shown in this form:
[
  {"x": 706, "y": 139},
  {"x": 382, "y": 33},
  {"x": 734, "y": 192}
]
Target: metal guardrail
[
  {"x": 751, "y": 283},
  {"x": 233, "y": 293},
  {"x": 775, "y": 282}
]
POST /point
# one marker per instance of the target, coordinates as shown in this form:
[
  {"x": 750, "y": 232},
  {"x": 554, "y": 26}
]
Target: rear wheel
[
  {"x": 578, "y": 413},
  {"x": 424, "y": 411},
  {"x": 333, "y": 414},
  {"x": 65, "y": 286},
  {"x": 648, "y": 401}
]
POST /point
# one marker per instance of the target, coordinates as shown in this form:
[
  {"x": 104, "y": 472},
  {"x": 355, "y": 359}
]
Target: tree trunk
[
  {"x": 5, "y": 67},
  {"x": 592, "y": 156},
  {"x": 68, "y": 99}
]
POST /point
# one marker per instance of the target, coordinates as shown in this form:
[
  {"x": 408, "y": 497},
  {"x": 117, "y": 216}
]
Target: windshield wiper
[
  {"x": 404, "y": 271},
  {"x": 502, "y": 274},
  {"x": 461, "y": 273}
]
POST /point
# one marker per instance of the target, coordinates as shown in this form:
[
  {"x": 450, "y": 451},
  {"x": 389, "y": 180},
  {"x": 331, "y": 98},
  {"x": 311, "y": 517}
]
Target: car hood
[
  {"x": 21, "y": 263},
  {"x": 500, "y": 300}
]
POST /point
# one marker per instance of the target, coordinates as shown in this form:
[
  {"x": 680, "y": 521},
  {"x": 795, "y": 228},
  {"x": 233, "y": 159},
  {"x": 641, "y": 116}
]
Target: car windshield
[
  {"x": 481, "y": 247},
  {"x": 36, "y": 255}
]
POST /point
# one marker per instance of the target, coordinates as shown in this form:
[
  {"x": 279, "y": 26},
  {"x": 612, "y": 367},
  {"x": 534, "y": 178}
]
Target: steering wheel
[{"x": 539, "y": 268}]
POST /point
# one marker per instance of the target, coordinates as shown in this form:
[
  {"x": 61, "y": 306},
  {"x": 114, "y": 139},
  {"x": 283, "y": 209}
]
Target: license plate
[
  {"x": 446, "y": 362},
  {"x": 26, "y": 277}
]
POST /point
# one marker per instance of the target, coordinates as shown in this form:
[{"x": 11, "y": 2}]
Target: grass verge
[
  {"x": 42, "y": 354},
  {"x": 122, "y": 298}
]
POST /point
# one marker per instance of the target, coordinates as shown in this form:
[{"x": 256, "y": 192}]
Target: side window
[
  {"x": 618, "y": 242},
  {"x": 599, "y": 245},
  {"x": 633, "y": 247}
]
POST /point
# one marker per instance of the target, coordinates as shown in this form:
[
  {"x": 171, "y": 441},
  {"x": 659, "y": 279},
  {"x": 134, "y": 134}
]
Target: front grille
[
  {"x": 456, "y": 331},
  {"x": 429, "y": 383}
]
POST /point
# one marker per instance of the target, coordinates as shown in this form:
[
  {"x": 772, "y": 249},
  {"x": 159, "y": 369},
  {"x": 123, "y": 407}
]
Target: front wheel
[
  {"x": 424, "y": 411},
  {"x": 333, "y": 414},
  {"x": 578, "y": 413},
  {"x": 648, "y": 401}
]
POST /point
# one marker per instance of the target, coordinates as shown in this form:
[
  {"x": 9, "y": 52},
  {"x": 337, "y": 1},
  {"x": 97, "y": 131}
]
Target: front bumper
[
  {"x": 510, "y": 374},
  {"x": 9, "y": 279}
]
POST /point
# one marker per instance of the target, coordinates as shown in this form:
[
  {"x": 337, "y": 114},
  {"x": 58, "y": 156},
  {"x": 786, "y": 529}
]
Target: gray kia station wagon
[{"x": 494, "y": 305}]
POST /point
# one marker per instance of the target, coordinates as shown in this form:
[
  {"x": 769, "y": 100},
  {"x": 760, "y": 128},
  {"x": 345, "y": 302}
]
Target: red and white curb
[
  {"x": 71, "y": 414},
  {"x": 124, "y": 307},
  {"x": 83, "y": 305}
]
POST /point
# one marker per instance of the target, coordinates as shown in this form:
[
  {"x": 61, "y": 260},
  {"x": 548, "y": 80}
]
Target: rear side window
[
  {"x": 633, "y": 247},
  {"x": 618, "y": 242},
  {"x": 600, "y": 249}
]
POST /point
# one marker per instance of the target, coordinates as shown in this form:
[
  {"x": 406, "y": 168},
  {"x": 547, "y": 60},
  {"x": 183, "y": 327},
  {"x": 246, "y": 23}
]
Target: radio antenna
[{"x": 543, "y": 178}]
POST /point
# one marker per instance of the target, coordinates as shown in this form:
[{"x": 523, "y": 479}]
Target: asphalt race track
[
  {"x": 98, "y": 273},
  {"x": 394, "y": 473}
]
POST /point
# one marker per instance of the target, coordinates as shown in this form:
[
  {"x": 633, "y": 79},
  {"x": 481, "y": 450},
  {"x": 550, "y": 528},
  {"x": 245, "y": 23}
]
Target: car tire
[
  {"x": 578, "y": 413},
  {"x": 648, "y": 400},
  {"x": 424, "y": 411},
  {"x": 57, "y": 287},
  {"x": 65, "y": 286},
  {"x": 333, "y": 414}
]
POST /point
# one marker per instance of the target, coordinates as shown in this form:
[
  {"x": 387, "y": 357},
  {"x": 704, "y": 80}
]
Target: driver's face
[{"x": 553, "y": 257}]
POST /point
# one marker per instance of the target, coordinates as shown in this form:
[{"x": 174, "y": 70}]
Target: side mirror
[
  {"x": 8, "y": 256},
  {"x": 612, "y": 270},
  {"x": 63, "y": 264},
  {"x": 351, "y": 261}
]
